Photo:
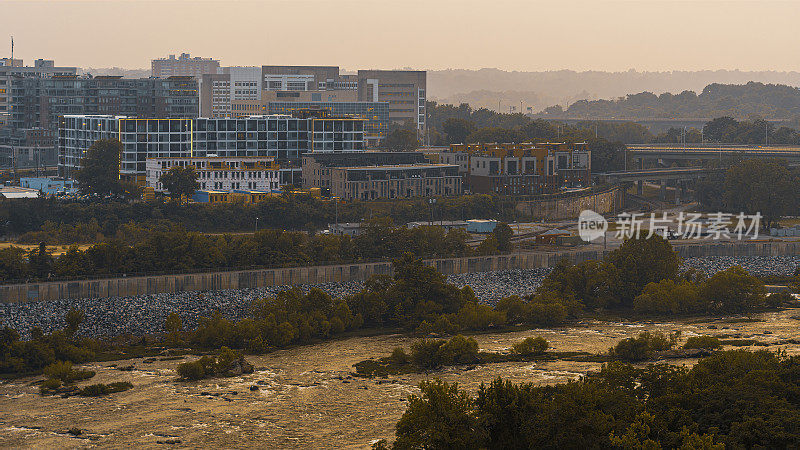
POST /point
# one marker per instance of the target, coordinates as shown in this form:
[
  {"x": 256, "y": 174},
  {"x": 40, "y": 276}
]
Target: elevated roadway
[{"x": 676, "y": 152}]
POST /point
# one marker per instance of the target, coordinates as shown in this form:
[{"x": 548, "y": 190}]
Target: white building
[{"x": 221, "y": 173}]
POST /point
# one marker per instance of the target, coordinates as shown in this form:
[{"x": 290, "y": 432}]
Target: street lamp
[{"x": 256, "y": 224}]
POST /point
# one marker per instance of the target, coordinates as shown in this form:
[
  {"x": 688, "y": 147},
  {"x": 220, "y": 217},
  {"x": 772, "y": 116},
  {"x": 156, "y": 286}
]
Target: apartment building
[
  {"x": 40, "y": 102},
  {"x": 281, "y": 137},
  {"x": 28, "y": 148},
  {"x": 317, "y": 166},
  {"x": 376, "y": 114},
  {"x": 404, "y": 90},
  {"x": 395, "y": 181},
  {"x": 226, "y": 174},
  {"x": 521, "y": 169},
  {"x": 12, "y": 70},
  {"x": 184, "y": 65}
]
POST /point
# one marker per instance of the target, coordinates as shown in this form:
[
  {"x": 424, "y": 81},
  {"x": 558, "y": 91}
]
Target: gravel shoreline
[{"x": 146, "y": 313}]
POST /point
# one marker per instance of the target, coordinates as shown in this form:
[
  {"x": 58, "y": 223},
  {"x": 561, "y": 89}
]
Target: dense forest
[{"x": 770, "y": 101}]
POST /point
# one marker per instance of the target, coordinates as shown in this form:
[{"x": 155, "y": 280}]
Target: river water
[{"x": 306, "y": 396}]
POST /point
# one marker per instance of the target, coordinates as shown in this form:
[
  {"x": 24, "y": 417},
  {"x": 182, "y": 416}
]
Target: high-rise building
[
  {"x": 404, "y": 90},
  {"x": 184, "y": 65}
]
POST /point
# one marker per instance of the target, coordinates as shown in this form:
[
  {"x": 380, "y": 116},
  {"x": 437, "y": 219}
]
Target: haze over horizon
[{"x": 513, "y": 35}]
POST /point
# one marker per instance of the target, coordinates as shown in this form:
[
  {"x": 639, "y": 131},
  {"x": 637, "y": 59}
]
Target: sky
[{"x": 522, "y": 35}]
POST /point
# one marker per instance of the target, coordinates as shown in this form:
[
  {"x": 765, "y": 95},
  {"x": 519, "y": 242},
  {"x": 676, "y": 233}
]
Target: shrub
[
  {"x": 425, "y": 353},
  {"x": 100, "y": 389},
  {"x": 708, "y": 342},
  {"x": 778, "y": 299},
  {"x": 399, "y": 356},
  {"x": 642, "y": 346},
  {"x": 63, "y": 371},
  {"x": 228, "y": 363},
  {"x": 531, "y": 346},
  {"x": 196, "y": 370},
  {"x": 49, "y": 385},
  {"x": 458, "y": 350}
]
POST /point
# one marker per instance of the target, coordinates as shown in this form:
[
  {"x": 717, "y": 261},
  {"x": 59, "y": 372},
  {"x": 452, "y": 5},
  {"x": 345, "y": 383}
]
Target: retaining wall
[
  {"x": 211, "y": 281},
  {"x": 608, "y": 201}
]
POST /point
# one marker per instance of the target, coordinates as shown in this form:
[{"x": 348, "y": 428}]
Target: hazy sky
[{"x": 427, "y": 34}]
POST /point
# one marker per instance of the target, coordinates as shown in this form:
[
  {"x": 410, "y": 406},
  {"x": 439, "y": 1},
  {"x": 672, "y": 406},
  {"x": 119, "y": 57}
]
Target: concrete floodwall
[
  {"x": 212, "y": 281},
  {"x": 607, "y": 201}
]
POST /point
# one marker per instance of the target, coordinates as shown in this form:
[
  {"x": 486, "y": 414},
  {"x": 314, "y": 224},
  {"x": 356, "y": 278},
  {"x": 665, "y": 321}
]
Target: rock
[{"x": 254, "y": 388}]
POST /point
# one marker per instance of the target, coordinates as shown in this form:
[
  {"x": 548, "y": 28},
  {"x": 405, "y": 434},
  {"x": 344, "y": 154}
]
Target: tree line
[
  {"x": 149, "y": 250},
  {"x": 765, "y": 186},
  {"x": 772, "y": 101},
  {"x": 57, "y": 221},
  {"x": 732, "y": 399}
]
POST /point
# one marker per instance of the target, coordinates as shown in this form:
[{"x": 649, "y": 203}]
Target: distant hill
[
  {"x": 740, "y": 101},
  {"x": 538, "y": 90}
]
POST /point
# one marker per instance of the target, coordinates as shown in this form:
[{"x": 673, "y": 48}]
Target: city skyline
[{"x": 647, "y": 35}]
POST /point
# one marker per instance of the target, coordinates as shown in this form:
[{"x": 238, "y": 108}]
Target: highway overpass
[{"x": 638, "y": 154}]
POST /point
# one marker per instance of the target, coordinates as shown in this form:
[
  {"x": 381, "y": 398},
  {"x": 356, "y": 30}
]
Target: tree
[
  {"x": 456, "y": 130},
  {"x": 173, "y": 326},
  {"x": 402, "y": 139},
  {"x": 640, "y": 261},
  {"x": 99, "y": 172},
  {"x": 179, "y": 181},
  {"x": 733, "y": 290},
  {"x": 73, "y": 318},
  {"x": 440, "y": 418},
  {"x": 761, "y": 185},
  {"x": 503, "y": 234},
  {"x": 41, "y": 263}
]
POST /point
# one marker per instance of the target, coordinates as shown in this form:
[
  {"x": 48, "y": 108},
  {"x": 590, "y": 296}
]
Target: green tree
[
  {"x": 74, "y": 318},
  {"x": 41, "y": 263},
  {"x": 173, "y": 326},
  {"x": 640, "y": 261},
  {"x": 531, "y": 346},
  {"x": 402, "y": 139},
  {"x": 99, "y": 172},
  {"x": 440, "y": 418},
  {"x": 733, "y": 290},
  {"x": 503, "y": 234},
  {"x": 765, "y": 186},
  {"x": 179, "y": 181},
  {"x": 456, "y": 130}
]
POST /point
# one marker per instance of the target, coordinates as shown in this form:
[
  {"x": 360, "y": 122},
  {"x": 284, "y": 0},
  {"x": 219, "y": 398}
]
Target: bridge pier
[
  {"x": 663, "y": 191},
  {"x": 678, "y": 191},
  {"x": 640, "y": 188}
]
